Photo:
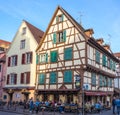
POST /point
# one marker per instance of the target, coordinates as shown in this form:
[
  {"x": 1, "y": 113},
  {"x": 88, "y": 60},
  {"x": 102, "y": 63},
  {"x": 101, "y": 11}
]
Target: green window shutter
[
  {"x": 37, "y": 59},
  {"x": 97, "y": 56},
  {"x": 54, "y": 38},
  {"x": 54, "y": 56},
  {"x": 93, "y": 79},
  {"x": 104, "y": 60},
  {"x": 68, "y": 54},
  {"x": 41, "y": 78},
  {"x": 56, "y": 19},
  {"x": 114, "y": 66},
  {"x": 67, "y": 76},
  {"x": 111, "y": 63},
  {"x": 100, "y": 81},
  {"x": 53, "y": 77},
  {"x": 110, "y": 82},
  {"x": 46, "y": 57},
  {"x": 105, "y": 81},
  {"x": 64, "y": 35}
]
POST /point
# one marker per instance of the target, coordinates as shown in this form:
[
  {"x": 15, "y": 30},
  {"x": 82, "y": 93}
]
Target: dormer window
[{"x": 24, "y": 30}]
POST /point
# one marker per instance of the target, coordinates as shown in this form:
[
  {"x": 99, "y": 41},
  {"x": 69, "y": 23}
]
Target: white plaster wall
[{"x": 30, "y": 45}]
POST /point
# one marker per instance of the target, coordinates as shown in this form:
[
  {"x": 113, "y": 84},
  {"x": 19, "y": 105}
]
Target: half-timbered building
[
  {"x": 71, "y": 64},
  {"x": 117, "y": 79}
]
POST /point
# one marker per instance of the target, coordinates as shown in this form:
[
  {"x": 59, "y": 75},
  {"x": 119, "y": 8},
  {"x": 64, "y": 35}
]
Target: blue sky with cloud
[{"x": 103, "y": 16}]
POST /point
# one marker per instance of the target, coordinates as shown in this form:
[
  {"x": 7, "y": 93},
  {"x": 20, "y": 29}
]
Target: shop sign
[{"x": 77, "y": 81}]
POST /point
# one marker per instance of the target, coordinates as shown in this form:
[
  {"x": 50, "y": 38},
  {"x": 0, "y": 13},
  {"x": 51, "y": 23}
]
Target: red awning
[{"x": 95, "y": 93}]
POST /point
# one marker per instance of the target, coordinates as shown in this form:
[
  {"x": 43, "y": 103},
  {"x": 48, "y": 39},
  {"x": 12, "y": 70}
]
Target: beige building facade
[{"x": 21, "y": 63}]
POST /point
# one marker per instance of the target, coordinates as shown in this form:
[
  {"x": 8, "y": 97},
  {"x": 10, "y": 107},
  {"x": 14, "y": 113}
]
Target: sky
[{"x": 103, "y": 16}]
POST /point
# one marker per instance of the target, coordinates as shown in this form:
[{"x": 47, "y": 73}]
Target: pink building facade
[{"x": 2, "y": 74}]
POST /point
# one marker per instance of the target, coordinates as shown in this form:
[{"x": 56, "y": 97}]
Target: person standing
[
  {"x": 117, "y": 102},
  {"x": 113, "y": 104},
  {"x": 31, "y": 104},
  {"x": 37, "y": 103}
]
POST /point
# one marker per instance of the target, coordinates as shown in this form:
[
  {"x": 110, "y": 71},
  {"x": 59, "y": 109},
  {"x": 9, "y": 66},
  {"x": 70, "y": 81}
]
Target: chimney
[
  {"x": 100, "y": 41},
  {"x": 89, "y": 32},
  {"x": 107, "y": 47}
]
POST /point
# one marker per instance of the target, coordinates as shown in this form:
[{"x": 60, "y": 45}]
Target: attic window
[
  {"x": 59, "y": 18},
  {"x": 24, "y": 31},
  {"x": 22, "y": 44}
]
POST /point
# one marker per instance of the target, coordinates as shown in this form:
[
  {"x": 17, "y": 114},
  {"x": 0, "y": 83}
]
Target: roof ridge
[{"x": 37, "y": 33}]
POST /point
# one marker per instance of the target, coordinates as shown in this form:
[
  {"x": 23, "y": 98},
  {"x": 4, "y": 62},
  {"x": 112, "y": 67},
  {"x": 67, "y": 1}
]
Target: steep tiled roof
[
  {"x": 5, "y": 42},
  {"x": 117, "y": 54},
  {"x": 37, "y": 33}
]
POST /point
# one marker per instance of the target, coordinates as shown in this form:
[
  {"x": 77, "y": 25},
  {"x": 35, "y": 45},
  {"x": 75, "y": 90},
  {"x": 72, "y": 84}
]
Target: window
[
  {"x": 27, "y": 58},
  {"x": 44, "y": 58},
  {"x": 12, "y": 79},
  {"x": 93, "y": 79},
  {"x": 97, "y": 56},
  {"x": 12, "y": 61},
  {"x": 59, "y": 18},
  {"x": 23, "y": 30},
  {"x": 53, "y": 56},
  {"x": 22, "y": 44},
  {"x": 2, "y": 49},
  {"x": 67, "y": 76},
  {"x": 59, "y": 37},
  {"x": 41, "y": 78},
  {"x": 68, "y": 54},
  {"x": 25, "y": 78},
  {"x": 53, "y": 77}
]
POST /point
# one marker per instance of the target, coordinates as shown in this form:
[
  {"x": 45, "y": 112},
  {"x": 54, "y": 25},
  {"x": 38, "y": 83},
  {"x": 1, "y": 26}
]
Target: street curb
[{"x": 13, "y": 111}]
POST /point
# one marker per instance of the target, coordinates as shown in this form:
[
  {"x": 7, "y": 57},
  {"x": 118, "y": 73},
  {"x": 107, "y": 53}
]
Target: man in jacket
[{"x": 113, "y": 104}]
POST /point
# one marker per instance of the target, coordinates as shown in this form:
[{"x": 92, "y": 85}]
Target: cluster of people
[
  {"x": 89, "y": 107},
  {"x": 45, "y": 105},
  {"x": 116, "y": 105},
  {"x": 37, "y": 105}
]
